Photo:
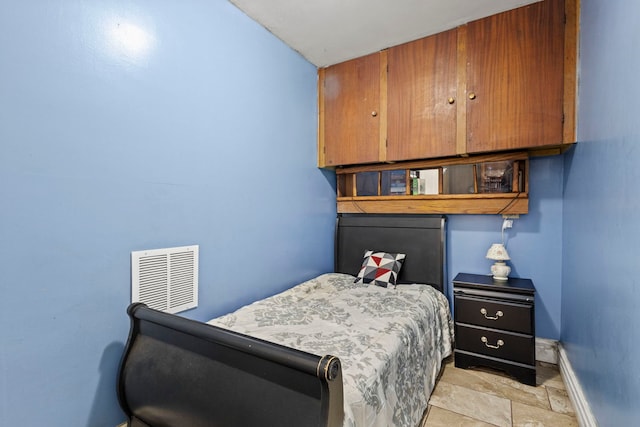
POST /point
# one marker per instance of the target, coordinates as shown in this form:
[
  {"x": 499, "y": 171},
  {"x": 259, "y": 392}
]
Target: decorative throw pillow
[{"x": 380, "y": 268}]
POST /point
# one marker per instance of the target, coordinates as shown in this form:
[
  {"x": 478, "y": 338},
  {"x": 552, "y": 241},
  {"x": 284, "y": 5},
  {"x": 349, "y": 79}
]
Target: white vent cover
[{"x": 165, "y": 279}]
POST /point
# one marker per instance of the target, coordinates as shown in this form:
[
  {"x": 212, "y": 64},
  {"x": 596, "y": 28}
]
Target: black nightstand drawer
[
  {"x": 503, "y": 345},
  {"x": 495, "y": 324},
  {"x": 494, "y": 314}
]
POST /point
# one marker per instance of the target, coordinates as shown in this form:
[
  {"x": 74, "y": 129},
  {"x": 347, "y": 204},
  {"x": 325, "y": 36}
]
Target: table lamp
[{"x": 499, "y": 269}]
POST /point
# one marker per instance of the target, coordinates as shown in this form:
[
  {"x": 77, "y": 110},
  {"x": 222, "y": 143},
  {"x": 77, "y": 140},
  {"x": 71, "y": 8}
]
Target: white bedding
[{"x": 391, "y": 341}]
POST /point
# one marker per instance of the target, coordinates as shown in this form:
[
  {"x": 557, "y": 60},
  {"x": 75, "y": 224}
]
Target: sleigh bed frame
[{"x": 180, "y": 372}]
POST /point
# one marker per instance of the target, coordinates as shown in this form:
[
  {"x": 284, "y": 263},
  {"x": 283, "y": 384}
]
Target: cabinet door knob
[
  {"x": 500, "y": 343},
  {"x": 472, "y": 95},
  {"x": 374, "y": 113},
  {"x": 499, "y": 314},
  {"x": 451, "y": 100}
]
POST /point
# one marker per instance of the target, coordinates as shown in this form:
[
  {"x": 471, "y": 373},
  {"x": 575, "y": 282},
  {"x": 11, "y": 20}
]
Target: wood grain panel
[
  {"x": 461, "y": 118},
  {"x": 421, "y": 81},
  {"x": 571, "y": 36},
  {"x": 351, "y": 119},
  {"x": 515, "y": 69},
  {"x": 505, "y": 203}
]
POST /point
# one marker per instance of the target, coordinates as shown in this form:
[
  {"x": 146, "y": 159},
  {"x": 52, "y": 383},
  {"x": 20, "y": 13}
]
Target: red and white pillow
[{"x": 380, "y": 268}]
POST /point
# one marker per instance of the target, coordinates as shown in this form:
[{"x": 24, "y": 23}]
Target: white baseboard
[{"x": 583, "y": 410}]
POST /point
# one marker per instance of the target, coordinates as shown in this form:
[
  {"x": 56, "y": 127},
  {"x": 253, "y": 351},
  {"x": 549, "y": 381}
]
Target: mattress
[{"x": 391, "y": 341}]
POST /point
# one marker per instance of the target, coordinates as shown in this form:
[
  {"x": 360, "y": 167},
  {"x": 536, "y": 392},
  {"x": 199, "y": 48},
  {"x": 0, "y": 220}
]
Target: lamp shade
[{"x": 498, "y": 252}]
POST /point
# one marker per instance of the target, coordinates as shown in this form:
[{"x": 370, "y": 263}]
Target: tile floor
[{"x": 484, "y": 397}]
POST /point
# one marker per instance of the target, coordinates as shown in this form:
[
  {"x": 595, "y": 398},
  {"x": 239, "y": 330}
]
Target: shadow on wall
[
  {"x": 106, "y": 398},
  {"x": 330, "y": 176}
]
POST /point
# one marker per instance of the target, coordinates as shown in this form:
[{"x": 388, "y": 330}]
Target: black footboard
[{"x": 177, "y": 372}]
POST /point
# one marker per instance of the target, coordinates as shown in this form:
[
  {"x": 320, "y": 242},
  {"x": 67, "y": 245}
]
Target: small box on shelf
[
  {"x": 425, "y": 181},
  {"x": 393, "y": 183},
  {"x": 417, "y": 186}
]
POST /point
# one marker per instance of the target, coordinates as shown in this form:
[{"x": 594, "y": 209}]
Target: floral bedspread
[{"x": 391, "y": 341}]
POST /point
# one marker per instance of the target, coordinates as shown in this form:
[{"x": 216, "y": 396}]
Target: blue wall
[
  {"x": 138, "y": 125},
  {"x": 534, "y": 243},
  {"x": 601, "y": 273}
]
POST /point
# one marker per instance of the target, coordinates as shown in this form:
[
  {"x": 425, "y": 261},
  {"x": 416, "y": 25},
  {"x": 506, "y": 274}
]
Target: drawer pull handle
[
  {"x": 499, "y": 314},
  {"x": 484, "y": 340}
]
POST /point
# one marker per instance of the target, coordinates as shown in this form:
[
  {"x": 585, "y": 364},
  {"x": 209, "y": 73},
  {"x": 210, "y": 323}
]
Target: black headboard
[{"x": 420, "y": 237}]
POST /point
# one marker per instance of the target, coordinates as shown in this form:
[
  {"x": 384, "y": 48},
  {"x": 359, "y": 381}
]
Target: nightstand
[{"x": 495, "y": 324}]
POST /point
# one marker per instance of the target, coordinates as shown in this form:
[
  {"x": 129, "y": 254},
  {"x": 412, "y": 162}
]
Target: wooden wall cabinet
[
  {"x": 505, "y": 82},
  {"x": 422, "y": 91},
  {"x": 514, "y": 78},
  {"x": 352, "y": 112}
]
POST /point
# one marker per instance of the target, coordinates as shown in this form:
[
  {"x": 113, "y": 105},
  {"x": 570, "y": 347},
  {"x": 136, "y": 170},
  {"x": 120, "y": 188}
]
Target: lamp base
[{"x": 500, "y": 271}]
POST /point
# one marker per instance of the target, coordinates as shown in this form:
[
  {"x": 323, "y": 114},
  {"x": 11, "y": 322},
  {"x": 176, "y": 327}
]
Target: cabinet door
[
  {"x": 421, "y": 107},
  {"x": 515, "y": 78},
  {"x": 351, "y": 118}
]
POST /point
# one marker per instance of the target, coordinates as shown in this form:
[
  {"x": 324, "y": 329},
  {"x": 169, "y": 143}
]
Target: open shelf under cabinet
[{"x": 486, "y": 184}]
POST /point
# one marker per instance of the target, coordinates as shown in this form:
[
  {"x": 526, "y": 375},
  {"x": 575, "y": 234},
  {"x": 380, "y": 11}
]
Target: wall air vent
[{"x": 165, "y": 279}]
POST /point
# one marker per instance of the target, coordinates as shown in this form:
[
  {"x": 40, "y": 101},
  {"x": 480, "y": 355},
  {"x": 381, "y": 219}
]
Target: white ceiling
[{"x": 326, "y": 32}]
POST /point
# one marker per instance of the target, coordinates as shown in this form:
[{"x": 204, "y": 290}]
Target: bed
[{"x": 328, "y": 352}]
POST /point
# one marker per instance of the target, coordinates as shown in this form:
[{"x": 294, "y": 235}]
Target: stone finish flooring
[{"x": 484, "y": 397}]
